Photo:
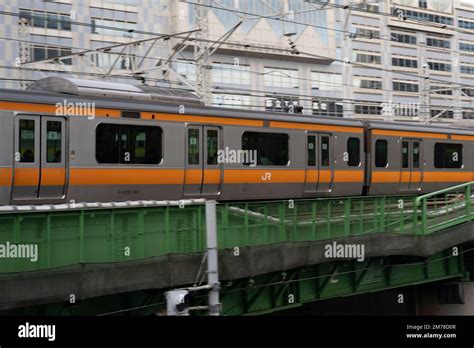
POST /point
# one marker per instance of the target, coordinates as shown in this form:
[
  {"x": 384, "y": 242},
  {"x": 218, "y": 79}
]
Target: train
[{"x": 64, "y": 140}]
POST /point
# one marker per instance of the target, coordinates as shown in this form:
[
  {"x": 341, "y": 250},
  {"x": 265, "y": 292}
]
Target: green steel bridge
[{"x": 109, "y": 258}]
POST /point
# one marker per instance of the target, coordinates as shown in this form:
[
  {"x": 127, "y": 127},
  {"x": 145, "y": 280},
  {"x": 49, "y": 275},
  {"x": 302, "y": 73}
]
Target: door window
[
  {"x": 27, "y": 141},
  {"x": 53, "y": 142}
]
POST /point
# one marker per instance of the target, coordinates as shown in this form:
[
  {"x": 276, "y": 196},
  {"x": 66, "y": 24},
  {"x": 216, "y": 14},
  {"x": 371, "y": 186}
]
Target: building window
[
  {"x": 469, "y": 115},
  {"x": 123, "y": 2},
  {"x": 41, "y": 52},
  {"x": 443, "y": 113},
  {"x": 46, "y": 20},
  {"x": 466, "y": 24},
  {"x": 423, "y": 4},
  {"x": 465, "y": 69},
  {"x": 272, "y": 148},
  {"x": 280, "y": 78},
  {"x": 230, "y": 73},
  {"x": 328, "y": 107},
  {"x": 405, "y": 87},
  {"x": 112, "y": 27},
  {"x": 424, "y": 16},
  {"x": 367, "y": 83},
  {"x": 448, "y": 155},
  {"x": 463, "y": 46},
  {"x": 371, "y": 7},
  {"x": 128, "y": 144},
  {"x": 353, "y": 152},
  {"x": 381, "y": 153},
  {"x": 367, "y": 109},
  {"x": 326, "y": 81},
  {"x": 467, "y": 92},
  {"x": 236, "y": 101},
  {"x": 367, "y": 58},
  {"x": 438, "y": 43},
  {"x": 108, "y": 59},
  {"x": 440, "y": 66},
  {"x": 366, "y": 33},
  {"x": 404, "y": 38},
  {"x": 278, "y": 103},
  {"x": 187, "y": 69},
  {"x": 405, "y": 63},
  {"x": 442, "y": 90}
]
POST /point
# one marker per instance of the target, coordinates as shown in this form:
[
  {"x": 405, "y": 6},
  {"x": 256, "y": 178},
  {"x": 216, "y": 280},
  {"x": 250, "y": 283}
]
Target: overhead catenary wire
[{"x": 263, "y": 47}]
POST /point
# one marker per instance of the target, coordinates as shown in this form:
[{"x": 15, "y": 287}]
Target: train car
[
  {"x": 69, "y": 140},
  {"x": 408, "y": 159}
]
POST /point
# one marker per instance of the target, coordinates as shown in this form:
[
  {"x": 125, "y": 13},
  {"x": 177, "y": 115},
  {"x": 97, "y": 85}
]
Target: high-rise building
[{"x": 368, "y": 62}]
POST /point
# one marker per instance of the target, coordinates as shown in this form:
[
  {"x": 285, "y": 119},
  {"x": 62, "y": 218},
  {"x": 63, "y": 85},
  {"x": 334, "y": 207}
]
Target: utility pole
[
  {"x": 425, "y": 112},
  {"x": 345, "y": 16},
  {"x": 24, "y": 50},
  {"x": 178, "y": 300},
  {"x": 212, "y": 258},
  {"x": 201, "y": 52}
]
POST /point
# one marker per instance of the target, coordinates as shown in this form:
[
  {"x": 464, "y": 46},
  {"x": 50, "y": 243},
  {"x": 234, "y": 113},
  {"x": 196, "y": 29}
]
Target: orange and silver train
[{"x": 89, "y": 141}]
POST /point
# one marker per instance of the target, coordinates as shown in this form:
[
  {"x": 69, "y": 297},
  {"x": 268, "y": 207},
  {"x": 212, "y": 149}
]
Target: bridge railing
[
  {"x": 445, "y": 208},
  {"x": 258, "y": 223},
  {"x": 114, "y": 232}
]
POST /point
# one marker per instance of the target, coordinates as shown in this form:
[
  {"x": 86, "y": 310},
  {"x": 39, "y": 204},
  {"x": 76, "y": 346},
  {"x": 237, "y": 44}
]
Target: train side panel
[
  {"x": 91, "y": 181},
  {"x": 6, "y": 156}
]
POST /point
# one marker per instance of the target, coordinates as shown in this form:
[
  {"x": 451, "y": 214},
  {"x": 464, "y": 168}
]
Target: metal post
[
  {"x": 212, "y": 258},
  {"x": 425, "y": 112},
  {"x": 24, "y": 48}
]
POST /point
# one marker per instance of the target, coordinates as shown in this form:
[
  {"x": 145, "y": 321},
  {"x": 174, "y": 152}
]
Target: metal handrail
[{"x": 446, "y": 190}]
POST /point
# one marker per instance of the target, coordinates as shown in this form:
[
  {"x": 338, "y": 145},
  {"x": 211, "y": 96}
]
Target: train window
[
  {"x": 27, "y": 141},
  {"x": 53, "y": 142},
  {"x": 353, "y": 150},
  {"x": 448, "y": 155},
  {"x": 271, "y": 148},
  {"x": 128, "y": 144},
  {"x": 405, "y": 154},
  {"x": 381, "y": 153},
  {"x": 416, "y": 154},
  {"x": 324, "y": 151},
  {"x": 311, "y": 150},
  {"x": 212, "y": 146},
  {"x": 193, "y": 146}
]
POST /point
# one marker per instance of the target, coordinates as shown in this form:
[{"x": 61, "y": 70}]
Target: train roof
[
  {"x": 53, "y": 90},
  {"x": 421, "y": 127}
]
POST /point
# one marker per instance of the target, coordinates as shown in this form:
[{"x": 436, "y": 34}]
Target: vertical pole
[
  {"x": 345, "y": 17},
  {"x": 424, "y": 216},
  {"x": 467, "y": 197},
  {"x": 212, "y": 258}
]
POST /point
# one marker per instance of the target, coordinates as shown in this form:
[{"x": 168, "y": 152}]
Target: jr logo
[{"x": 267, "y": 177}]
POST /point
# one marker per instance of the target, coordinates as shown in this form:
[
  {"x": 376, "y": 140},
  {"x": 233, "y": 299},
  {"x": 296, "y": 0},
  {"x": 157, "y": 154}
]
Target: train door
[
  {"x": 312, "y": 167},
  {"x": 203, "y": 174},
  {"x": 411, "y": 168},
  {"x": 326, "y": 163},
  {"x": 319, "y": 165},
  {"x": 39, "y": 161}
]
